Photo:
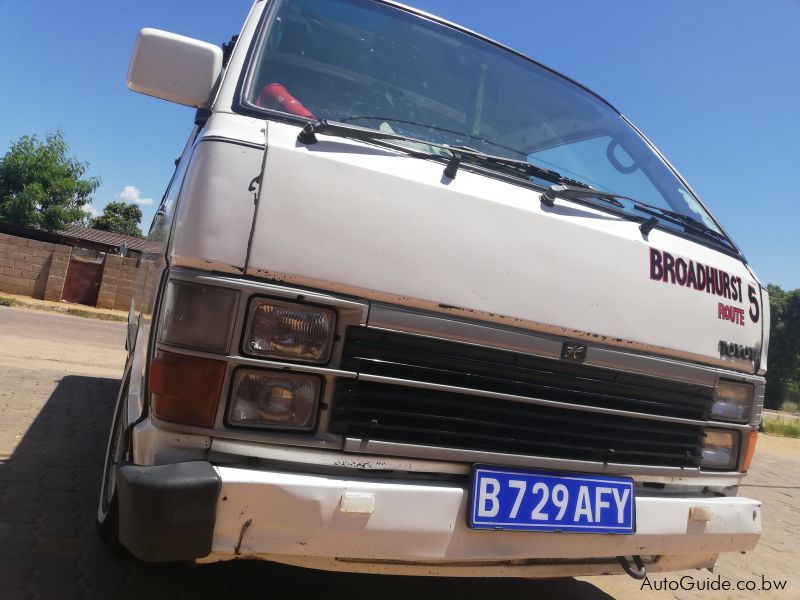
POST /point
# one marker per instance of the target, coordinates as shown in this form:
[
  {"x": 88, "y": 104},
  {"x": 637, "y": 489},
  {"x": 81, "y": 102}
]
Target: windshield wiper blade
[
  {"x": 521, "y": 166},
  {"x": 308, "y": 134},
  {"x": 656, "y": 212},
  {"x": 334, "y": 128},
  {"x": 688, "y": 223},
  {"x": 578, "y": 193}
]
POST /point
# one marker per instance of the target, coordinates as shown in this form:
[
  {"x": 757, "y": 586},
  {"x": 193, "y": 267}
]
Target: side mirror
[{"x": 175, "y": 68}]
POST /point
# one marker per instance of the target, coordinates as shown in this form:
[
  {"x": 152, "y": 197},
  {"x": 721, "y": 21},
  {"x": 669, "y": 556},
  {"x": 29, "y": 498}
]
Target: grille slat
[
  {"x": 412, "y": 415},
  {"x": 486, "y": 368},
  {"x": 424, "y": 406},
  {"x": 493, "y": 430},
  {"x": 521, "y": 388},
  {"x": 502, "y": 441}
]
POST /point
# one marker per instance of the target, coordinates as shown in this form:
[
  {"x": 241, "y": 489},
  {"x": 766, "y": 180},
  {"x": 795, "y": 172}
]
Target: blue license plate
[{"x": 521, "y": 499}]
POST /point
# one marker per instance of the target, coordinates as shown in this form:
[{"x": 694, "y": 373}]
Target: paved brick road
[{"x": 58, "y": 380}]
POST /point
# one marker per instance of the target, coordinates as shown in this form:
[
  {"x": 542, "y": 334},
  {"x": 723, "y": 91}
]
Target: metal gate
[{"x": 84, "y": 273}]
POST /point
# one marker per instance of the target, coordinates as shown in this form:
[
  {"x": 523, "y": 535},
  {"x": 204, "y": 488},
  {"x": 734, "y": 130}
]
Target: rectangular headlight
[
  {"x": 289, "y": 331},
  {"x": 721, "y": 449},
  {"x": 733, "y": 401},
  {"x": 274, "y": 399},
  {"x": 197, "y": 316}
]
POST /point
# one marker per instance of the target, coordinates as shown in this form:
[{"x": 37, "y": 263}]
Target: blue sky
[{"x": 714, "y": 84}]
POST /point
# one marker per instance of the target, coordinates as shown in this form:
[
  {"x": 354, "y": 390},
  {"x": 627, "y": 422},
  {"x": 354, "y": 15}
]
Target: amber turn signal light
[
  {"x": 751, "y": 450},
  {"x": 186, "y": 389}
]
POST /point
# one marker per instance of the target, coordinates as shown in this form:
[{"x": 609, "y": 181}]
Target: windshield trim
[{"x": 242, "y": 106}]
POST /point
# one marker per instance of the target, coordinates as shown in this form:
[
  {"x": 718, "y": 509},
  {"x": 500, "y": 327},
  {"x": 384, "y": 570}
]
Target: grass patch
[
  {"x": 790, "y": 407},
  {"x": 77, "y": 312},
  {"x": 784, "y": 427},
  {"x": 66, "y": 310}
]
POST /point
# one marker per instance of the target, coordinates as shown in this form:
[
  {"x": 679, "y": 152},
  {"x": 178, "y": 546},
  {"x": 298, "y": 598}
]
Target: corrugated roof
[{"x": 109, "y": 238}]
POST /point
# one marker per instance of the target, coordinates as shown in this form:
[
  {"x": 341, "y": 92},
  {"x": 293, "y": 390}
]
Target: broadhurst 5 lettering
[{"x": 667, "y": 268}]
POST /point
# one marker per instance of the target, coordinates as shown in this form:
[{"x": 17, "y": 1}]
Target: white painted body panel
[
  {"x": 346, "y": 217},
  {"x": 299, "y": 518},
  {"x": 213, "y": 220}
]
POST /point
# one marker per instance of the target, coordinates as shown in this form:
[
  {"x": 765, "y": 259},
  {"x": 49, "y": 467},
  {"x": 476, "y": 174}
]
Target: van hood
[{"x": 346, "y": 217}]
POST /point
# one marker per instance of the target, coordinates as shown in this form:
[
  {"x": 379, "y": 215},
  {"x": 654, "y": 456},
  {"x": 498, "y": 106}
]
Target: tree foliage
[
  {"x": 120, "y": 217},
  {"x": 783, "y": 368},
  {"x": 41, "y": 186}
]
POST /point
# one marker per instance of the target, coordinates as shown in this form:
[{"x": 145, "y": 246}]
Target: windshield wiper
[
  {"x": 563, "y": 187},
  {"x": 656, "y": 212},
  {"x": 457, "y": 153},
  {"x": 681, "y": 219},
  {"x": 308, "y": 134},
  {"x": 578, "y": 193}
]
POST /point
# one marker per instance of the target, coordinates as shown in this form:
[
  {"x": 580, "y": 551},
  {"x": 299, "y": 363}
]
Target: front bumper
[
  {"x": 167, "y": 512},
  {"x": 404, "y": 526}
]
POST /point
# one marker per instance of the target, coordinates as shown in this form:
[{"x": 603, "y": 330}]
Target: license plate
[{"x": 522, "y": 499}]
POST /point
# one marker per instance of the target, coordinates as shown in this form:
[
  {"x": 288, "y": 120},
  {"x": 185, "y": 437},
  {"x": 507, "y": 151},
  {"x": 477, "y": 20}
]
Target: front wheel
[{"x": 116, "y": 451}]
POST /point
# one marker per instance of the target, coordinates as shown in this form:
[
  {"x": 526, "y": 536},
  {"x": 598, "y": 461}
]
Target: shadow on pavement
[{"x": 49, "y": 547}]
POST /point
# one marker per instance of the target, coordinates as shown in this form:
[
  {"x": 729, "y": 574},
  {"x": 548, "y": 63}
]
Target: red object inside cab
[{"x": 276, "y": 96}]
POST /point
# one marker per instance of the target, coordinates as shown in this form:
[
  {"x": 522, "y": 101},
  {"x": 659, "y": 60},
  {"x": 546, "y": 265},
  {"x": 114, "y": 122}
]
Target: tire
[{"x": 107, "y": 519}]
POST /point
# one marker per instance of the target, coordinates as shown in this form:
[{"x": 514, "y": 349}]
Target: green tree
[
  {"x": 120, "y": 217},
  {"x": 783, "y": 367},
  {"x": 41, "y": 186}
]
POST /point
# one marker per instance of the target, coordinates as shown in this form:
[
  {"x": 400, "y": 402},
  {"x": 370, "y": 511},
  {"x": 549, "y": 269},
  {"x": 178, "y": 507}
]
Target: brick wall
[
  {"x": 32, "y": 268},
  {"x": 39, "y": 269},
  {"x": 116, "y": 288}
]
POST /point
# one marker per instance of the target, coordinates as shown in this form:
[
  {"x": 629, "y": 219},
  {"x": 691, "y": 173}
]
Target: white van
[{"x": 414, "y": 303}]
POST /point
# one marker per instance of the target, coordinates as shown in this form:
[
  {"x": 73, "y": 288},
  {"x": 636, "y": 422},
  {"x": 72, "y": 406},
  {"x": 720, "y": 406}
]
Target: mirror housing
[{"x": 174, "y": 67}]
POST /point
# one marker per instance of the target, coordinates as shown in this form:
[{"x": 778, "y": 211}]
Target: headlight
[
  {"x": 197, "y": 316},
  {"x": 289, "y": 331},
  {"x": 721, "y": 449},
  {"x": 275, "y": 400},
  {"x": 732, "y": 401}
]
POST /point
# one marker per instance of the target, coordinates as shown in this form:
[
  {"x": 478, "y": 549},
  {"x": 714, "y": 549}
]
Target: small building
[
  {"x": 79, "y": 264},
  {"x": 107, "y": 242}
]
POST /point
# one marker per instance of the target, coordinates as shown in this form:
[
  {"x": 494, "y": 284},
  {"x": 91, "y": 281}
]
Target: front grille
[{"x": 402, "y": 413}]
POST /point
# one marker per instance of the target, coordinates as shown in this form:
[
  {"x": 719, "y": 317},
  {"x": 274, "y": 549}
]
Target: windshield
[{"x": 378, "y": 66}]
